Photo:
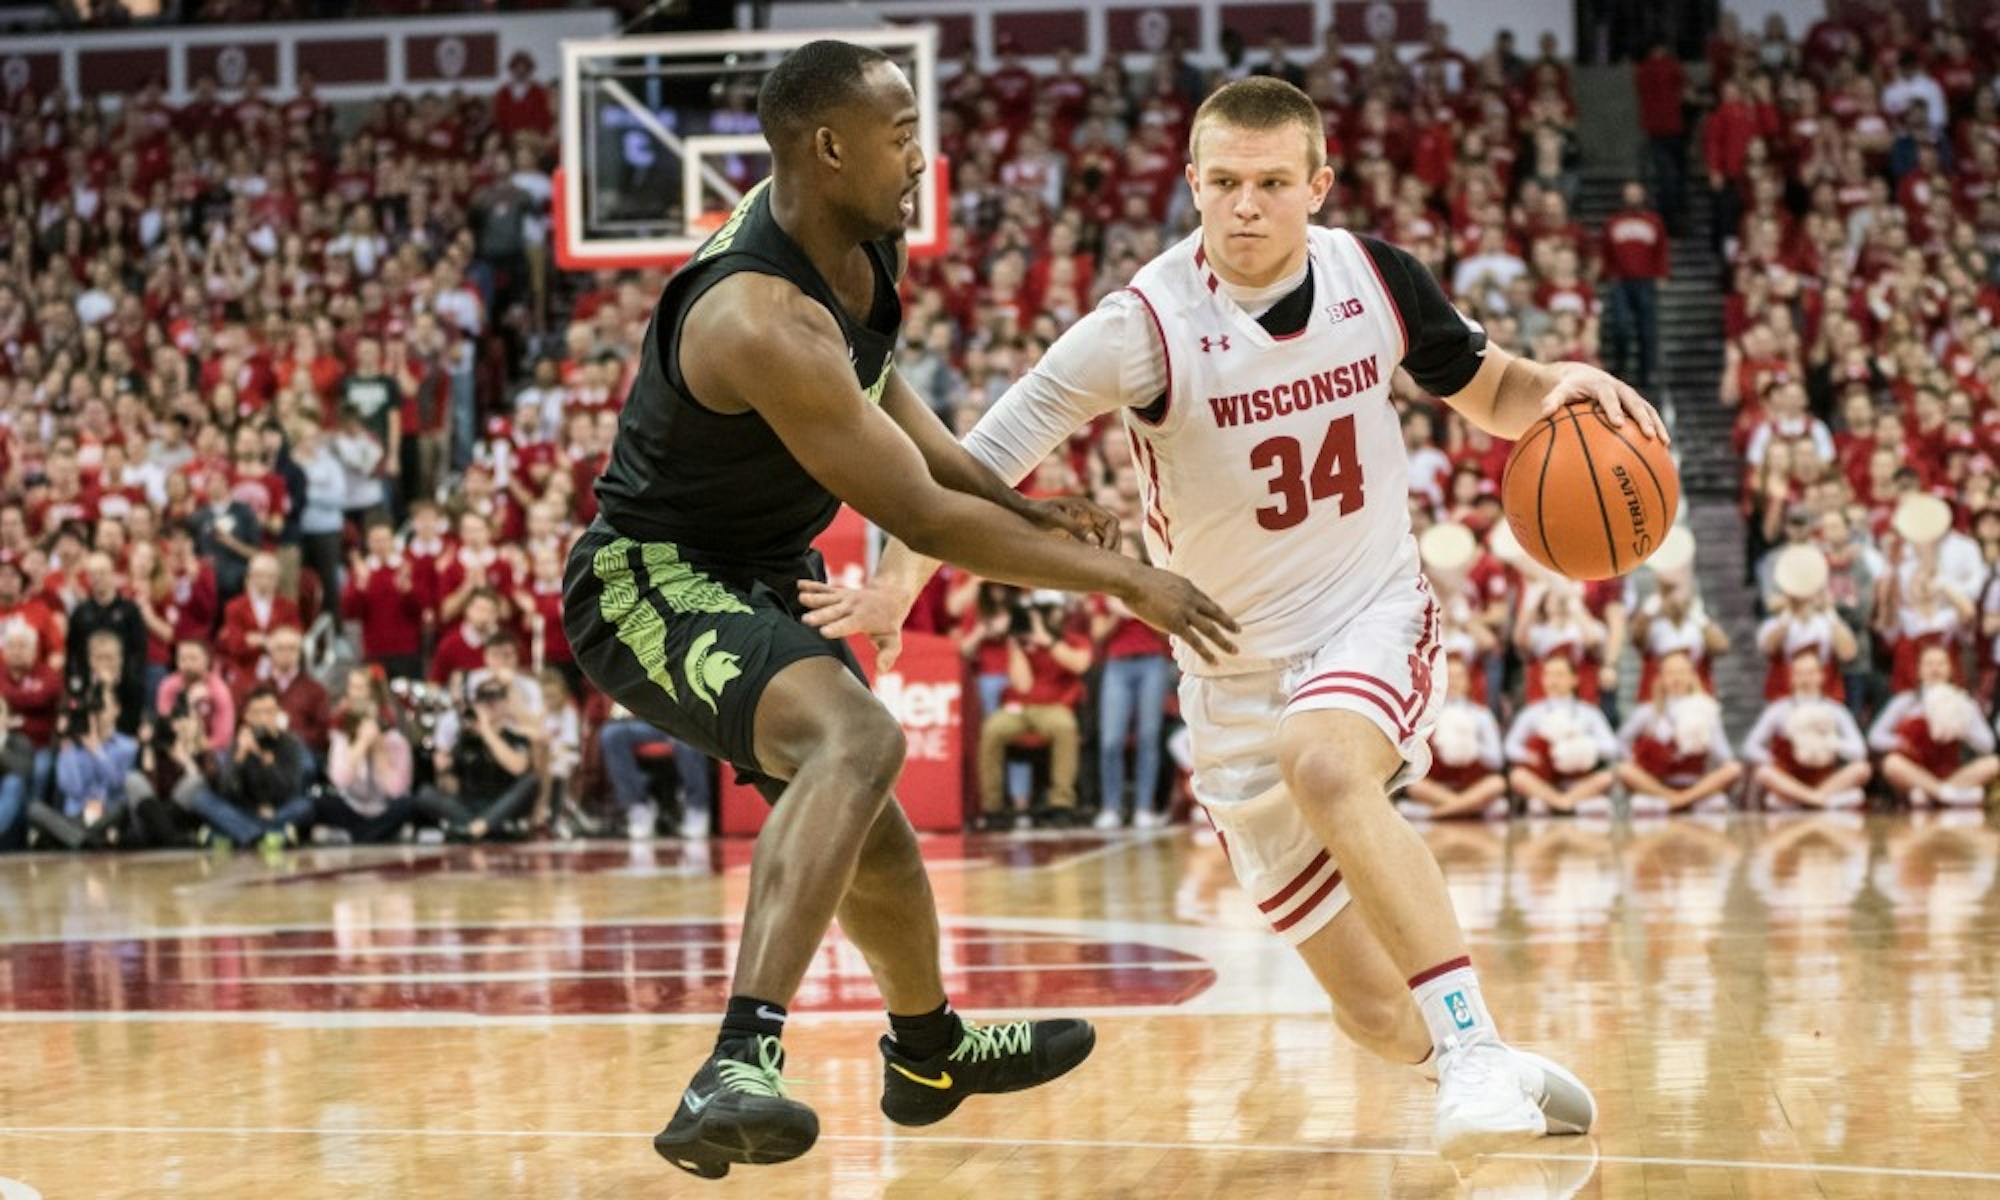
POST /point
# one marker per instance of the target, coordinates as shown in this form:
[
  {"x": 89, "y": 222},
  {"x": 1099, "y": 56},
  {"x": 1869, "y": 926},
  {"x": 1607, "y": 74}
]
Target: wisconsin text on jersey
[{"x": 1248, "y": 408}]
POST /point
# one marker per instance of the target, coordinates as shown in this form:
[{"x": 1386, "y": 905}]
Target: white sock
[{"x": 1448, "y": 996}]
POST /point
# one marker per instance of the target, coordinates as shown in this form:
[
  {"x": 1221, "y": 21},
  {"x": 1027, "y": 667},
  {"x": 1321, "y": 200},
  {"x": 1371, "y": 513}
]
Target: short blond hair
[{"x": 1262, "y": 102}]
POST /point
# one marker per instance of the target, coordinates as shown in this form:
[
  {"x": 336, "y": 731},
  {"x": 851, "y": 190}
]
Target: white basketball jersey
[{"x": 1276, "y": 479}]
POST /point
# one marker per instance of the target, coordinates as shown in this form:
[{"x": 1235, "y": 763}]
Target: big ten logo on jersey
[
  {"x": 928, "y": 713},
  {"x": 1344, "y": 309}
]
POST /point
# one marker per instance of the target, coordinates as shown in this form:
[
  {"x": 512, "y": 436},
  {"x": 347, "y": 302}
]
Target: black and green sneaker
[
  {"x": 736, "y": 1111},
  {"x": 987, "y": 1059}
]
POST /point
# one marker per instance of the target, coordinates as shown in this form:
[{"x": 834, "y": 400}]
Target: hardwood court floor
[{"x": 1775, "y": 1007}]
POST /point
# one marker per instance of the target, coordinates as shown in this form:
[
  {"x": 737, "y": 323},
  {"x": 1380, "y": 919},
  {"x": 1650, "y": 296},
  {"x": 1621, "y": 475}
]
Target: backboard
[{"x": 660, "y": 139}]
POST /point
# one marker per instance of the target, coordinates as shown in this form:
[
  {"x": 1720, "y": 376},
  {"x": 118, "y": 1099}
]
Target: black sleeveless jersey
[{"x": 722, "y": 486}]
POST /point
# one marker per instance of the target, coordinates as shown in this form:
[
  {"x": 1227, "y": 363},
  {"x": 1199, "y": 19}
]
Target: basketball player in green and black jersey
[{"x": 765, "y": 398}]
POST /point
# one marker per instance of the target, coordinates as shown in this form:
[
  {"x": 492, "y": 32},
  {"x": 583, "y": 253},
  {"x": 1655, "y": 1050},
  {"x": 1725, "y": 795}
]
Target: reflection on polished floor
[{"x": 1769, "y": 1007}]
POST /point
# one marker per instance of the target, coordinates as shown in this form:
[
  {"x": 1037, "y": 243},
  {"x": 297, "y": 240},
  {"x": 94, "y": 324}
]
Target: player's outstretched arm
[
  {"x": 1510, "y": 393},
  {"x": 768, "y": 347},
  {"x": 1093, "y": 369}
]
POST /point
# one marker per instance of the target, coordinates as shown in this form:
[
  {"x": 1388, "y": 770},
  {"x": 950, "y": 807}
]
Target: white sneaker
[
  {"x": 694, "y": 825},
  {"x": 1108, "y": 817},
  {"x": 1486, "y": 1101},
  {"x": 1150, "y": 818},
  {"x": 1964, "y": 795},
  {"x": 639, "y": 821},
  {"x": 1566, "y": 1104},
  {"x": 1845, "y": 798}
]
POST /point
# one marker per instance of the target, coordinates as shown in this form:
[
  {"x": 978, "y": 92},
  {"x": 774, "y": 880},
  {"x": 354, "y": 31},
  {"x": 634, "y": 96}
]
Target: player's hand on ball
[
  {"x": 1580, "y": 381},
  {"x": 1174, "y": 606},
  {"x": 1078, "y": 516},
  {"x": 842, "y": 612}
]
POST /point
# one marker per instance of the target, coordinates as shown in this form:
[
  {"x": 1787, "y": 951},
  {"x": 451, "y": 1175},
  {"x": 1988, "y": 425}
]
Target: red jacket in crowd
[
  {"x": 34, "y": 697},
  {"x": 389, "y": 603},
  {"x": 1661, "y": 83},
  {"x": 239, "y": 621},
  {"x": 1635, "y": 245}
]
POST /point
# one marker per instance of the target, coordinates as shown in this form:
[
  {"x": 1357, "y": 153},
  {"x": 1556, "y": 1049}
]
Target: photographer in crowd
[
  {"x": 94, "y": 773},
  {"x": 256, "y": 793},
  {"x": 1045, "y": 667},
  {"x": 486, "y": 769},
  {"x": 369, "y": 764}
]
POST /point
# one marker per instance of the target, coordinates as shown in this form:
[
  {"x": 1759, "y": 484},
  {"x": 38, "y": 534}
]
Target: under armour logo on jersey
[{"x": 1219, "y": 342}]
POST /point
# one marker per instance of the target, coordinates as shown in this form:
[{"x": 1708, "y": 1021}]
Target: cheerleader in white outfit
[
  {"x": 1467, "y": 776},
  {"x": 1562, "y": 749},
  {"x": 1934, "y": 742},
  {"x": 1677, "y": 755},
  {"x": 1806, "y": 749}
]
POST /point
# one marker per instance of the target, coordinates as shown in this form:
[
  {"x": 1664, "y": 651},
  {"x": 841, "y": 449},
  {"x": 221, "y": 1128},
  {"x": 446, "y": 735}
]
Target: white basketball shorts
[{"x": 1384, "y": 664}]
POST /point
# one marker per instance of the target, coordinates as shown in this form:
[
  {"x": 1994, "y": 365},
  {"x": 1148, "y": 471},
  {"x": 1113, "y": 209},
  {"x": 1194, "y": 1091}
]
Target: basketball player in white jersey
[{"x": 1251, "y": 365}]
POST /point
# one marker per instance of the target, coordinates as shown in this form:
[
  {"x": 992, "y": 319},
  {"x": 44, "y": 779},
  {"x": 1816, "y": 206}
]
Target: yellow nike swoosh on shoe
[{"x": 941, "y": 1083}]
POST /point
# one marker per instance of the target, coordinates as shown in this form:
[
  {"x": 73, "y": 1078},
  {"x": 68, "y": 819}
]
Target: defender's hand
[
  {"x": 1080, "y": 517},
  {"x": 1178, "y": 608},
  {"x": 842, "y": 612}
]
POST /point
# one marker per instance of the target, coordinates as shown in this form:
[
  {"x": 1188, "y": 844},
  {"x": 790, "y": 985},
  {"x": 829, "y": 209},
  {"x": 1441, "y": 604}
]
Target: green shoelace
[
  {"x": 982, "y": 1042},
  {"x": 760, "y": 1078}
]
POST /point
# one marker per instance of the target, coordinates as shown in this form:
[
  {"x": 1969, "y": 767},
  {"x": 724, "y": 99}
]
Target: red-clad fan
[
  {"x": 1804, "y": 620},
  {"x": 1934, "y": 740},
  {"x": 1677, "y": 755},
  {"x": 539, "y": 602},
  {"x": 1562, "y": 749},
  {"x": 1807, "y": 750},
  {"x": 1555, "y": 623},
  {"x": 249, "y": 619},
  {"x": 1673, "y": 618},
  {"x": 1468, "y": 767},
  {"x": 386, "y": 596},
  {"x": 475, "y": 564},
  {"x": 463, "y": 646},
  {"x": 29, "y": 612}
]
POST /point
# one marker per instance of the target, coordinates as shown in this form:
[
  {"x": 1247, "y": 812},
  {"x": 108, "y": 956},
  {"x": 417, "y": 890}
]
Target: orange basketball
[{"x": 1588, "y": 499}]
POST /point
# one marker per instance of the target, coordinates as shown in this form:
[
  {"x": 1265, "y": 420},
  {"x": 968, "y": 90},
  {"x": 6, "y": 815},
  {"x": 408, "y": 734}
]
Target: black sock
[
  {"x": 750, "y": 1017},
  {"x": 926, "y": 1034}
]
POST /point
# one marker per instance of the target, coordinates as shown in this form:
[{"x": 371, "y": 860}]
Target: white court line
[
  {"x": 554, "y": 975},
  {"x": 1298, "y": 1148}
]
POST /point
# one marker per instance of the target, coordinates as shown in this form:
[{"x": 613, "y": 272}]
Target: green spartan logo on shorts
[{"x": 708, "y": 671}]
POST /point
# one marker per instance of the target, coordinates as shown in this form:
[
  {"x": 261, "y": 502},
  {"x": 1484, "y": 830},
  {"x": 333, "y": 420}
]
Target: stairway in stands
[{"x": 1684, "y": 386}]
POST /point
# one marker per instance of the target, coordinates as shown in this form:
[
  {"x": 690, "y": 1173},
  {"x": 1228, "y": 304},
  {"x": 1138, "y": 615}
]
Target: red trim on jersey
[
  {"x": 1403, "y": 701},
  {"x": 1312, "y": 902},
  {"x": 1166, "y": 354},
  {"x": 1156, "y": 511},
  {"x": 1298, "y": 881},
  {"x": 1201, "y": 260},
  {"x": 1388, "y": 297},
  {"x": 1423, "y": 977}
]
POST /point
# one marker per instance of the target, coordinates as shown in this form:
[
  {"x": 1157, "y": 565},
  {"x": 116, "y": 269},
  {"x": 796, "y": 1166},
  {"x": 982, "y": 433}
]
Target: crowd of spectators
[{"x": 269, "y": 374}]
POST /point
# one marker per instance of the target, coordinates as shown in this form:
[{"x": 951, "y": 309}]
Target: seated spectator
[
  {"x": 503, "y": 665},
  {"x": 385, "y": 595},
  {"x": 369, "y": 765},
  {"x": 463, "y": 646},
  {"x": 225, "y": 533},
  {"x": 17, "y": 768},
  {"x": 303, "y": 699},
  {"x": 562, "y": 739},
  {"x": 1807, "y": 750},
  {"x": 1934, "y": 741},
  {"x": 93, "y": 772},
  {"x": 1467, "y": 776},
  {"x": 247, "y": 621},
  {"x": 104, "y": 659},
  {"x": 1562, "y": 749},
  {"x": 33, "y": 694},
  {"x": 1045, "y": 669},
  {"x": 17, "y": 607},
  {"x": 1132, "y": 693},
  {"x": 1677, "y": 755},
  {"x": 104, "y": 609},
  {"x": 619, "y": 740},
  {"x": 1674, "y": 619},
  {"x": 487, "y": 775},
  {"x": 256, "y": 794},
  {"x": 196, "y": 686}
]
